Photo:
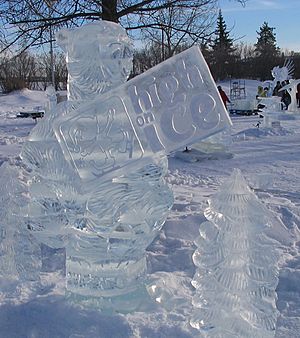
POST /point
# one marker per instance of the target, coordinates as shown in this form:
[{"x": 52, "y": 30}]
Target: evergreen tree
[
  {"x": 266, "y": 50},
  {"x": 266, "y": 41},
  {"x": 222, "y": 50}
]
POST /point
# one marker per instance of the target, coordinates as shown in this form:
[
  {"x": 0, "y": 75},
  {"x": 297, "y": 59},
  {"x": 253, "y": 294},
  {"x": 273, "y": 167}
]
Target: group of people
[
  {"x": 265, "y": 92},
  {"x": 283, "y": 94},
  {"x": 224, "y": 96}
]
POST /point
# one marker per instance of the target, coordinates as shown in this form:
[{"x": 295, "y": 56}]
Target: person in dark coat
[
  {"x": 223, "y": 95},
  {"x": 286, "y": 98},
  {"x": 276, "y": 89}
]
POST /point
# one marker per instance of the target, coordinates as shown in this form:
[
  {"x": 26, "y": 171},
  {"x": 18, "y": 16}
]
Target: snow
[{"x": 269, "y": 159}]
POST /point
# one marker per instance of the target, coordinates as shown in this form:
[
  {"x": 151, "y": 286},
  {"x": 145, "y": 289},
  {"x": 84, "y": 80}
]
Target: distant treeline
[
  {"x": 32, "y": 71},
  {"x": 243, "y": 63}
]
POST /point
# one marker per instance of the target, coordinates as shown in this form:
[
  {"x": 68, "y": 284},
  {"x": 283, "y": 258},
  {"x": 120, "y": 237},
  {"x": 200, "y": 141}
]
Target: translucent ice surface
[
  {"x": 283, "y": 73},
  {"x": 164, "y": 109},
  {"x": 99, "y": 58},
  {"x": 94, "y": 166},
  {"x": 105, "y": 229},
  {"x": 57, "y": 203},
  {"x": 19, "y": 253},
  {"x": 236, "y": 266},
  {"x": 292, "y": 90}
]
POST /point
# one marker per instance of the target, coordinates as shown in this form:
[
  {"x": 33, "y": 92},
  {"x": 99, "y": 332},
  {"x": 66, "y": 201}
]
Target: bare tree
[
  {"x": 146, "y": 58},
  {"x": 29, "y": 22},
  {"x": 245, "y": 51},
  {"x": 172, "y": 28},
  {"x": 17, "y": 72},
  {"x": 44, "y": 70}
]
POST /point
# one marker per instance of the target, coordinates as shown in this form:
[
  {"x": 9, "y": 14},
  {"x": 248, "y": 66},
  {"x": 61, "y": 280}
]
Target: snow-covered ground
[{"x": 269, "y": 160}]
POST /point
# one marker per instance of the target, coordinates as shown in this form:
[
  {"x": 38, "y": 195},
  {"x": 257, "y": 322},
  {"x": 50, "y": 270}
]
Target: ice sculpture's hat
[
  {"x": 99, "y": 58},
  {"x": 88, "y": 32}
]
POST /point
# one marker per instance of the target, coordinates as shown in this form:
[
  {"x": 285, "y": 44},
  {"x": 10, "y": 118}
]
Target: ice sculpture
[
  {"x": 236, "y": 266},
  {"x": 283, "y": 73},
  {"x": 60, "y": 213},
  {"x": 292, "y": 90},
  {"x": 96, "y": 163},
  {"x": 105, "y": 230},
  {"x": 19, "y": 253},
  {"x": 272, "y": 107},
  {"x": 52, "y": 98}
]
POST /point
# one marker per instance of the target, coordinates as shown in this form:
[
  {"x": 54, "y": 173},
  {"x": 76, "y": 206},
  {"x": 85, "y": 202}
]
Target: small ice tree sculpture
[{"x": 236, "y": 266}]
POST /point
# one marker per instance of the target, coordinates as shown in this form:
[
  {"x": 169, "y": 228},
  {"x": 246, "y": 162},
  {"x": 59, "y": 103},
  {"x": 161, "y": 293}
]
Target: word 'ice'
[{"x": 236, "y": 266}]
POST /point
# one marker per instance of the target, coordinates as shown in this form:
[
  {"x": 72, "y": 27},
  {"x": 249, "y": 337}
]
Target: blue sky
[{"x": 283, "y": 15}]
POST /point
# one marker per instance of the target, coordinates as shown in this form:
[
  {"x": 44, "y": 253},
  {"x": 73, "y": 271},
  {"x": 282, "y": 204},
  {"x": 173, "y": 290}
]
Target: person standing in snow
[
  {"x": 298, "y": 95},
  {"x": 261, "y": 92},
  {"x": 276, "y": 89},
  {"x": 267, "y": 92},
  {"x": 286, "y": 98},
  {"x": 223, "y": 95}
]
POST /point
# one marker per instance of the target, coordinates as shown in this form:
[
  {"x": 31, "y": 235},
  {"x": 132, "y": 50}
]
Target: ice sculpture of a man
[
  {"x": 20, "y": 260},
  {"x": 106, "y": 228},
  {"x": 95, "y": 165}
]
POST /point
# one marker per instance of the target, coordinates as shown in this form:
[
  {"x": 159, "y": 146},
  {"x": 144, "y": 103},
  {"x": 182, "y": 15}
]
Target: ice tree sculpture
[
  {"x": 96, "y": 163},
  {"x": 236, "y": 266}
]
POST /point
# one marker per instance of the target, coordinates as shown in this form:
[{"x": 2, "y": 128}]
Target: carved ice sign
[{"x": 168, "y": 107}]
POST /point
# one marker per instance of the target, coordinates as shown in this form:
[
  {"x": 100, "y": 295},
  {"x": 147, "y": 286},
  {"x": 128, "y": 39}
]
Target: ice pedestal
[
  {"x": 272, "y": 107},
  {"x": 236, "y": 266},
  {"x": 106, "y": 259}
]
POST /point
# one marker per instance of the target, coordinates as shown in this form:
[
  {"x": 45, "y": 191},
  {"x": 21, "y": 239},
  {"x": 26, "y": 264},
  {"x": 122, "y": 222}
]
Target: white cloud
[
  {"x": 270, "y": 4},
  {"x": 258, "y": 5}
]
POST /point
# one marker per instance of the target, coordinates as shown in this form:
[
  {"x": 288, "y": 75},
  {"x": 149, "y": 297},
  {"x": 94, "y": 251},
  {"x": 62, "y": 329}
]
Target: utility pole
[{"x": 50, "y": 4}]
